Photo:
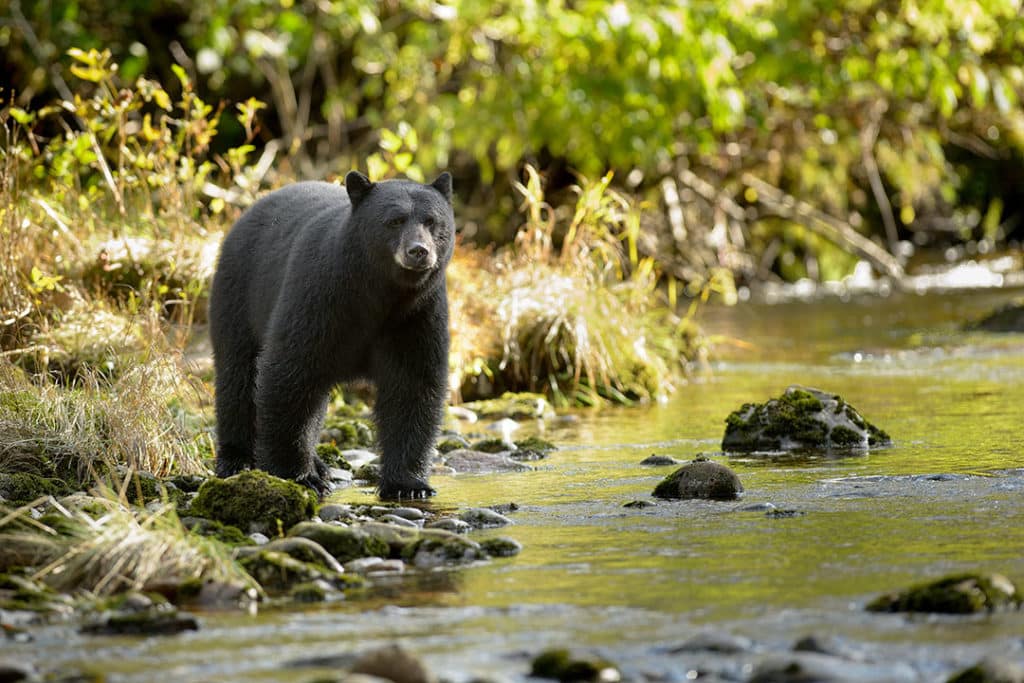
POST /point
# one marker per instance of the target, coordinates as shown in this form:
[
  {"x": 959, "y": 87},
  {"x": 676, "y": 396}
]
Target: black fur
[{"x": 317, "y": 285}]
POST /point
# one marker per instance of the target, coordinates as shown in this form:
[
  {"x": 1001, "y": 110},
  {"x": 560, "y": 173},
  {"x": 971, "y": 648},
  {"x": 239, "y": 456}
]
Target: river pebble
[
  {"x": 456, "y": 526},
  {"x": 484, "y": 518},
  {"x": 811, "y": 667},
  {"x": 393, "y": 663},
  {"x": 713, "y": 641}
]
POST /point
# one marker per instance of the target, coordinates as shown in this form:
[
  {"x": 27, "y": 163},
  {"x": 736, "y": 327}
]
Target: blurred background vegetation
[{"x": 649, "y": 151}]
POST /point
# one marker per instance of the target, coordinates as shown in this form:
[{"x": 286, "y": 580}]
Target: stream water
[{"x": 633, "y": 584}]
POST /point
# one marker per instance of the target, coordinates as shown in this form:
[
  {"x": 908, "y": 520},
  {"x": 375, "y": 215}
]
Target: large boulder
[
  {"x": 958, "y": 594},
  {"x": 801, "y": 419},
  {"x": 254, "y": 501}
]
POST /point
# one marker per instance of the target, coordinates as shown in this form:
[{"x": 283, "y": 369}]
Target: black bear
[{"x": 319, "y": 284}]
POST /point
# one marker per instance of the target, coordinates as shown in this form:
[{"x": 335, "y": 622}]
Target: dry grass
[{"x": 121, "y": 549}]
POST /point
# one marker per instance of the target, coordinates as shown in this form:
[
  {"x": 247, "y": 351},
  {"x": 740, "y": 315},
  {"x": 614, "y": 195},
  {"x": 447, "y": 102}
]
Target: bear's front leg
[
  {"x": 290, "y": 406},
  {"x": 410, "y": 369}
]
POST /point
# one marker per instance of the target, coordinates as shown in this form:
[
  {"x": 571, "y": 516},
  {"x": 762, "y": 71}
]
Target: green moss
[
  {"x": 958, "y": 594},
  {"x": 844, "y": 437},
  {"x": 449, "y": 445},
  {"x": 350, "y": 432},
  {"x": 310, "y": 591},
  {"x": 491, "y": 446},
  {"x": 254, "y": 499},
  {"x": 344, "y": 543},
  {"x": 501, "y": 546},
  {"x": 370, "y": 473},
  {"x": 331, "y": 455},
  {"x": 535, "y": 443},
  {"x": 23, "y": 487},
  {"x": 211, "y": 528}
]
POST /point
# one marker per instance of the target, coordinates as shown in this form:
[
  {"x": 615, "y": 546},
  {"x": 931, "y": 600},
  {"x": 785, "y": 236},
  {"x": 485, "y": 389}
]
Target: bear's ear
[
  {"x": 443, "y": 184},
  {"x": 358, "y": 186}
]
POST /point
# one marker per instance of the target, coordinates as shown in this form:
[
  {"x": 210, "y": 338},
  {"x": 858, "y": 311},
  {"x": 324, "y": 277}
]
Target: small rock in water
[
  {"x": 501, "y": 546},
  {"x": 393, "y": 663},
  {"x": 138, "y": 614},
  {"x": 484, "y": 518},
  {"x": 414, "y": 514},
  {"x": 362, "y": 564},
  {"x": 710, "y": 641},
  {"x": 700, "y": 479},
  {"x": 477, "y": 462},
  {"x": 801, "y": 419},
  {"x": 784, "y": 513},
  {"x": 638, "y": 504},
  {"x": 991, "y": 670},
  {"x": 333, "y": 512},
  {"x": 1007, "y": 318},
  {"x": 387, "y": 567},
  {"x": 827, "y": 645},
  {"x": 258, "y": 538},
  {"x": 958, "y": 594},
  {"x": 811, "y": 667},
  {"x": 655, "y": 460},
  {"x": 561, "y": 665},
  {"x": 456, "y": 526},
  {"x": 14, "y": 672},
  {"x": 398, "y": 521}
]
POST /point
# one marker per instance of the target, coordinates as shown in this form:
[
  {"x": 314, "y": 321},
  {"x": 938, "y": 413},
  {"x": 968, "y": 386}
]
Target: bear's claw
[{"x": 406, "y": 492}]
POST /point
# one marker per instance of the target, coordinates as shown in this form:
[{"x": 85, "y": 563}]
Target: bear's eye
[
  {"x": 428, "y": 222},
  {"x": 396, "y": 222}
]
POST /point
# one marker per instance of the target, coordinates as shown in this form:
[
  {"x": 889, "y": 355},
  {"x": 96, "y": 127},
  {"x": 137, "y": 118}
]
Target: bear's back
[{"x": 300, "y": 224}]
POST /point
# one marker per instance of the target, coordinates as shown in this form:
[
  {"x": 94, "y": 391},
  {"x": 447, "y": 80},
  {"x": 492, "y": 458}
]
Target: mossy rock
[
  {"x": 701, "y": 478},
  {"x": 438, "y": 548},
  {"x": 331, "y": 455},
  {"x": 561, "y": 665},
  {"x": 346, "y": 433},
  {"x": 211, "y": 528},
  {"x": 343, "y": 543},
  {"x": 254, "y": 501},
  {"x": 18, "y": 592},
  {"x": 535, "y": 443},
  {"x": 801, "y": 419},
  {"x": 397, "y": 538},
  {"x": 451, "y": 443},
  {"x": 370, "y": 473},
  {"x": 958, "y": 594},
  {"x": 516, "y": 406},
  {"x": 501, "y": 546},
  {"x": 143, "y": 487},
  {"x": 310, "y": 591},
  {"x": 1007, "y": 318},
  {"x": 991, "y": 670},
  {"x": 491, "y": 446},
  {"x": 19, "y": 488}
]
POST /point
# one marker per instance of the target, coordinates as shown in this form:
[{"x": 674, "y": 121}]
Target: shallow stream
[{"x": 633, "y": 584}]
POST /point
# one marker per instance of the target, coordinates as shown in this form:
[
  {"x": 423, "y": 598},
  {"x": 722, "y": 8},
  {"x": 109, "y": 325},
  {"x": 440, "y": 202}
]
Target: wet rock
[
  {"x": 452, "y": 442},
  {"x": 638, "y": 504},
  {"x": 493, "y": 446},
  {"x": 15, "y": 672},
  {"x": 139, "y": 614},
  {"x": 312, "y": 591},
  {"x": 535, "y": 443},
  {"x": 801, "y": 419},
  {"x": 357, "y": 457},
  {"x": 709, "y": 641},
  {"x": 305, "y": 550},
  {"x": 398, "y": 521},
  {"x": 827, "y": 645},
  {"x": 412, "y": 514},
  {"x": 393, "y": 663},
  {"x": 1006, "y": 318},
  {"x": 259, "y": 539},
  {"x": 23, "y": 593},
  {"x": 521, "y": 406},
  {"x": 332, "y": 513},
  {"x": 456, "y": 526},
  {"x": 700, "y": 479},
  {"x": 207, "y": 593},
  {"x": 991, "y": 670},
  {"x": 784, "y": 513},
  {"x": 225, "y": 533},
  {"x": 370, "y": 473},
  {"x": 477, "y": 462},
  {"x": 142, "y": 487},
  {"x": 344, "y": 543},
  {"x": 254, "y": 501},
  {"x": 484, "y": 518},
  {"x": 438, "y": 548},
  {"x": 394, "y": 538},
  {"x": 387, "y": 567},
  {"x": 277, "y": 572},
  {"x": 655, "y": 460},
  {"x": 363, "y": 564},
  {"x": 501, "y": 546},
  {"x": 959, "y": 594},
  {"x": 561, "y": 665},
  {"x": 189, "y": 483},
  {"x": 811, "y": 667}
]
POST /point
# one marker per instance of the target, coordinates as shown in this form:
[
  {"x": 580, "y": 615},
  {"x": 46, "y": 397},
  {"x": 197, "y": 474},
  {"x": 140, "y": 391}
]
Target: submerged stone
[
  {"x": 812, "y": 667},
  {"x": 437, "y": 548},
  {"x": 802, "y": 418},
  {"x": 701, "y": 478},
  {"x": 656, "y": 460},
  {"x": 465, "y": 461},
  {"x": 484, "y": 518},
  {"x": 140, "y": 614},
  {"x": 501, "y": 546},
  {"x": 393, "y": 663},
  {"x": 958, "y": 594},
  {"x": 561, "y": 665},
  {"x": 254, "y": 501}
]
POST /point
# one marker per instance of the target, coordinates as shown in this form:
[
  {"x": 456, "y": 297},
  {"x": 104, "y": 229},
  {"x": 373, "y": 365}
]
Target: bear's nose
[{"x": 418, "y": 251}]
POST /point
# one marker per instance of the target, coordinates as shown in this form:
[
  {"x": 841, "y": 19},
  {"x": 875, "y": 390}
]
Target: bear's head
[{"x": 413, "y": 225}]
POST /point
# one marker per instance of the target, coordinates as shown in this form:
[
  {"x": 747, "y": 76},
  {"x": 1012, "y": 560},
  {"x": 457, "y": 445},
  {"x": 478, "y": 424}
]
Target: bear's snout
[{"x": 417, "y": 253}]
